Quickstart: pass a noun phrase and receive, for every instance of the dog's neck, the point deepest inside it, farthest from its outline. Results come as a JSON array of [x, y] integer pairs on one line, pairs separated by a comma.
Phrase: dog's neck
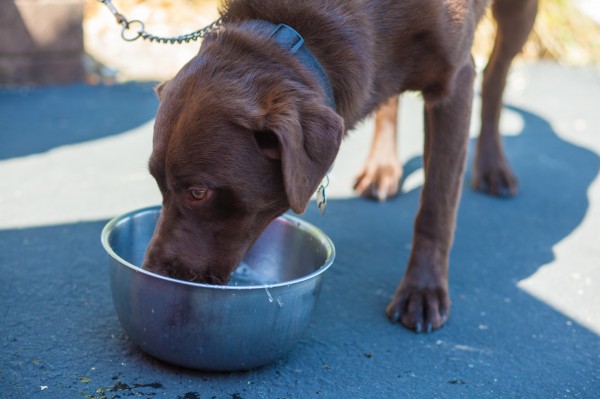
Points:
[[339, 36], [286, 37]]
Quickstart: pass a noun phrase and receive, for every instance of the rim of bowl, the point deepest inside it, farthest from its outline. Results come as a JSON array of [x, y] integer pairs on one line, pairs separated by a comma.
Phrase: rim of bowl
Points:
[[304, 225]]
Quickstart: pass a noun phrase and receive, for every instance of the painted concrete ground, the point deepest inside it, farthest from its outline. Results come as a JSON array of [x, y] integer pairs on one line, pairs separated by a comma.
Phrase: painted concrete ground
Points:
[[525, 272]]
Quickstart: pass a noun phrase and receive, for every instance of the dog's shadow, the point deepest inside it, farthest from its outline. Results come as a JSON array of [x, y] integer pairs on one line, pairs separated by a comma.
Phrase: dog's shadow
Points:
[[512, 237], [498, 243]]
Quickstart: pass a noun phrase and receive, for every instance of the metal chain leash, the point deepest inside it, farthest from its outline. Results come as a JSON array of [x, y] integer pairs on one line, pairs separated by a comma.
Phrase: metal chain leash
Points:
[[129, 32]]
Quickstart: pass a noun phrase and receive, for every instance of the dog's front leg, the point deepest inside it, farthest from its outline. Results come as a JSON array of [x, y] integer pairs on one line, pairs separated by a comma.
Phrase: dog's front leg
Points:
[[421, 302]]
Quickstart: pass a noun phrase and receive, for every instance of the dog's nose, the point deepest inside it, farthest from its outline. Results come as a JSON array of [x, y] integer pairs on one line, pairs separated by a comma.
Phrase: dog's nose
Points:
[[172, 267]]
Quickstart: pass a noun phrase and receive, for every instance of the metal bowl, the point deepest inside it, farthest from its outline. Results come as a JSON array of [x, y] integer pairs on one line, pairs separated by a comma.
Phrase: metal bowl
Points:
[[254, 320]]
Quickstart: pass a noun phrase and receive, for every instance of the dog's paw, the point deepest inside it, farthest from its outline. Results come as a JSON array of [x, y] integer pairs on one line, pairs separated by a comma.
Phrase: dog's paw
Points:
[[379, 179], [494, 176], [419, 309]]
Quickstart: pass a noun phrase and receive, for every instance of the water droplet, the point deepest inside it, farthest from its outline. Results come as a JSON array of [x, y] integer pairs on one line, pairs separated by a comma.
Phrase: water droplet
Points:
[[269, 295]]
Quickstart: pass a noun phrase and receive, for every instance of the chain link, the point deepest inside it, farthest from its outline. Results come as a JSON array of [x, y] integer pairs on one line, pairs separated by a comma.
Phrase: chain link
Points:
[[129, 32]]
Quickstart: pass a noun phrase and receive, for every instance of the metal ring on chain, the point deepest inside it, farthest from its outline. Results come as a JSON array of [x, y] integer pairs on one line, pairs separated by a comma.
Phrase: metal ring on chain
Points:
[[128, 26], [141, 32], [199, 34]]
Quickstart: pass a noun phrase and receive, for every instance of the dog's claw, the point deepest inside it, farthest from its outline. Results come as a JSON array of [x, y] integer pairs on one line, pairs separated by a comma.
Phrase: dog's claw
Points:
[[419, 309], [379, 180], [418, 328], [494, 178], [444, 317]]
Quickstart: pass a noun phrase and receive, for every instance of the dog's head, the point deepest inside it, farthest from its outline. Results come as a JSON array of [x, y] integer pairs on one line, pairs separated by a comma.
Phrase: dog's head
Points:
[[238, 140]]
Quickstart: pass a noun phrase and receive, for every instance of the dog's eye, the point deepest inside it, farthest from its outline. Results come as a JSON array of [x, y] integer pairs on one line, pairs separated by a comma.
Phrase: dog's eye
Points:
[[198, 194]]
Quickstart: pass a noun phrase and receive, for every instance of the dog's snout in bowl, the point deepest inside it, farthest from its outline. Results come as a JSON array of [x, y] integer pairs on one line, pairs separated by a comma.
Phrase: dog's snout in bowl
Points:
[[184, 250], [252, 321]]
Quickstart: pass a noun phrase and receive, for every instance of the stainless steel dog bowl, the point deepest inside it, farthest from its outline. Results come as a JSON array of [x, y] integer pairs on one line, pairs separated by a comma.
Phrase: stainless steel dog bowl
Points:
[[254, 320]]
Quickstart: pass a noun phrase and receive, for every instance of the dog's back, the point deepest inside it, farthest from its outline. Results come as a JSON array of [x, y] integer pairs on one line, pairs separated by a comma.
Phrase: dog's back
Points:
[[377, 48]]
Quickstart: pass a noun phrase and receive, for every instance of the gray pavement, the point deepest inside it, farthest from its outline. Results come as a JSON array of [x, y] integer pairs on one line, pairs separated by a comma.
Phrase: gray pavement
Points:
[[524, 272]]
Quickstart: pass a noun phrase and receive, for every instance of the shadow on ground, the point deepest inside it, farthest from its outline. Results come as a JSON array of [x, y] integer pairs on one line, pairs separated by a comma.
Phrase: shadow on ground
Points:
[[61, 338], [63, 115]]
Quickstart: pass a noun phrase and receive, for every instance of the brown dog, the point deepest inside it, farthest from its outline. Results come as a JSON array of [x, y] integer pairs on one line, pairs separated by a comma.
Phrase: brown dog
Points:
[[247, 129]]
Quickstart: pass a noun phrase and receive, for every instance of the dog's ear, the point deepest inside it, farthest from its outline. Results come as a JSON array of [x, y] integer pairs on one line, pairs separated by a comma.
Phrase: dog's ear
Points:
[[306, 141], [159, 88]]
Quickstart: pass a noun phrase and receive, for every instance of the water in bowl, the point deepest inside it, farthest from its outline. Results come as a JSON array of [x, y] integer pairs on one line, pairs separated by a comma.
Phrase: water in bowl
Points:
[[244, 275]]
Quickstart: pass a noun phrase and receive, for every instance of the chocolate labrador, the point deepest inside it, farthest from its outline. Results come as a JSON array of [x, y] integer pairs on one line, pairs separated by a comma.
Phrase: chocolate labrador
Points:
[[249, 127]]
